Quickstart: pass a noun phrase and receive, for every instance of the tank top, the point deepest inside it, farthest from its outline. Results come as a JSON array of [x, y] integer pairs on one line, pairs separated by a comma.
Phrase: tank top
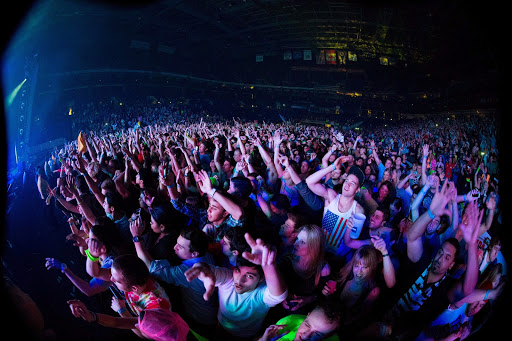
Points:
[[334, 224]]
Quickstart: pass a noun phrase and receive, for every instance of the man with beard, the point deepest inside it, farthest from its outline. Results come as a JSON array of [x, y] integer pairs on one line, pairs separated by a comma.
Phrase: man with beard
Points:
[[426, 286]]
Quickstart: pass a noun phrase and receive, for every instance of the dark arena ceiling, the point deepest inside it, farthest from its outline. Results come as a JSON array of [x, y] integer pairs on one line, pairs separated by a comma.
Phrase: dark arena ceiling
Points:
[[439, 42]]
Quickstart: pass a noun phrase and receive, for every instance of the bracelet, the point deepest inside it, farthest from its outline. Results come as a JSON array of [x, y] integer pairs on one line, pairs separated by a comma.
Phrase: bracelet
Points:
[[120, 311], [95, 316], [171, 186], [333, 167], [430, 214], [386, 255], [487, 294], [212, 192], [91, 257], [465, 197]]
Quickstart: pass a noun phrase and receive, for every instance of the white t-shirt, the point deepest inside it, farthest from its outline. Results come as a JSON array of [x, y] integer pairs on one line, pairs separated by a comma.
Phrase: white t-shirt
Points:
[[242, 314]]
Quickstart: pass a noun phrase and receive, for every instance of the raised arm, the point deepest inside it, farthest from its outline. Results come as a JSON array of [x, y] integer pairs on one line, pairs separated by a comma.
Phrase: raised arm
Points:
[[136, 229], [424, 177], [437, 208], [263, 255], [387, 266], [314, 180], [470, 227], [277, 142], [230, 206]]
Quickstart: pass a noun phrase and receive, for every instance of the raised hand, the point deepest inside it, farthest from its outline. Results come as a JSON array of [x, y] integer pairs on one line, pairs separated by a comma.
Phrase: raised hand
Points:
[[52, 263], [425, 150], [261, 254], [273, 332], [441, 198], [470, 223], [136, 227], [204, 181], [379, 244], [472, 195], [78, 241], [78, 309], [203, 272]]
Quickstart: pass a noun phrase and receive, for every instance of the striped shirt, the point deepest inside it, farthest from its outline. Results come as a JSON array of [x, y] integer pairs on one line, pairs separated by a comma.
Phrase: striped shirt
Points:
[[334, 224], [417, 294]]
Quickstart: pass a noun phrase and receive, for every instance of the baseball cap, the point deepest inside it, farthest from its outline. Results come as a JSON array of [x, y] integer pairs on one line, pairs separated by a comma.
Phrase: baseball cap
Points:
[[163, 325], [355, 170]]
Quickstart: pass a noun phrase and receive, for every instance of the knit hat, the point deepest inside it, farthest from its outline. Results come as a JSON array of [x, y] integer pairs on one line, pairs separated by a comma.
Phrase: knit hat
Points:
[[162, 325]]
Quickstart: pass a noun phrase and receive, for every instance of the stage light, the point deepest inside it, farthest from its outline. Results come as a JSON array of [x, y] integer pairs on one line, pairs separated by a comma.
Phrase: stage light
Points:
[[13, 94]]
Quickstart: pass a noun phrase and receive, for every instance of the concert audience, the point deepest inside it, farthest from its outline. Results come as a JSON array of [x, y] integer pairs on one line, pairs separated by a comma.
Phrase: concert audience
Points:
[[180, 189]]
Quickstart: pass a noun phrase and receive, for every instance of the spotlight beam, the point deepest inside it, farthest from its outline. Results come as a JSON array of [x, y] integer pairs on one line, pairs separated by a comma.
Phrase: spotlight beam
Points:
[[12, 95]]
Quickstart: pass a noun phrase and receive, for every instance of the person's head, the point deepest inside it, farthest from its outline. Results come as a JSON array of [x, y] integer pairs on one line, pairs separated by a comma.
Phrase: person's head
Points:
[[294, 166], [129, 273], [247, 276], [106, 236], [233, 242], [161, 219], [107, 185], [228, 165], [191, 243], [494, 248], [240, 186], [353, 182], [396, 206], [216, 212], [203, 147], [304, 167], [93, 168], [379, 217], [363, 265], [491, 275], [280, 204], [112, 204], [404, 225], [386, 175], [144, 178], [445, 257], [388, 164], [368, 170], [237, 155], [81, 184], [310, 242], [386, 190], [320, 323], [289, 229]]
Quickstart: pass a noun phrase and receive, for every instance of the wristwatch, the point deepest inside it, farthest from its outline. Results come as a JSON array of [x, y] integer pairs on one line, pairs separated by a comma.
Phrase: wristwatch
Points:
[[136, 239]]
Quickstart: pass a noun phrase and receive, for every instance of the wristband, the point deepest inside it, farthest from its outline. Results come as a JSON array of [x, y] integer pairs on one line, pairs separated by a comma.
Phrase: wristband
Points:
[[430, 214], [333, 167], [487, 294], [386, 255], [91, 257], [171, 186], [212, 192], [465, 197], [120, 311]]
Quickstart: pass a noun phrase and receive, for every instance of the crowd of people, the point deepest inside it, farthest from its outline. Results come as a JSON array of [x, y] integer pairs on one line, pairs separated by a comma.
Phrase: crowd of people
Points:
[[207, 228]]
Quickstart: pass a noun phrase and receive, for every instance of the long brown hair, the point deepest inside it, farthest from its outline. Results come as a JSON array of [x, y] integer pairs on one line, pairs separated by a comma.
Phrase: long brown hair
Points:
[[315, 242], [368, 255]]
